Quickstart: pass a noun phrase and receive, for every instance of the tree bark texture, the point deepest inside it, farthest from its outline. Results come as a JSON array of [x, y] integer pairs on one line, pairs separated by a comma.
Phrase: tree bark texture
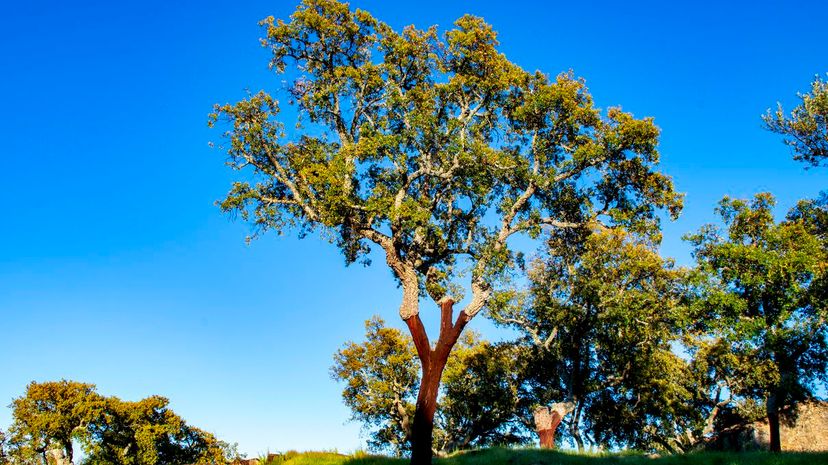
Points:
[[547, 421], [433, 361]]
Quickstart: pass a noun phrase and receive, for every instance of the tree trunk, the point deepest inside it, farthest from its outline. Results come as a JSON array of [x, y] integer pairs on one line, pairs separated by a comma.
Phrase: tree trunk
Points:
[[433, 362], [547, 421], [68, 453], [575, 428], [773, 423]]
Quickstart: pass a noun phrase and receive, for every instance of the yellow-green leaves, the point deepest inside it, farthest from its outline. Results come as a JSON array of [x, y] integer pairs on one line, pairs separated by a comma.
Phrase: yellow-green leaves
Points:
[[434, 147], [54, 414], [381, 380], [596, 325], [423, 136], [805, 130]]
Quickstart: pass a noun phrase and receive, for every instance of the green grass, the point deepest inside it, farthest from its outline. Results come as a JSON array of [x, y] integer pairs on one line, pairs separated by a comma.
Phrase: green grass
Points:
[[499, 456]]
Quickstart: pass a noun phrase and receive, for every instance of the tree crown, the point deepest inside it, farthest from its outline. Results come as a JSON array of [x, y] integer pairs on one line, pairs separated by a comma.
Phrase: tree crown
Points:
[[435, 148]]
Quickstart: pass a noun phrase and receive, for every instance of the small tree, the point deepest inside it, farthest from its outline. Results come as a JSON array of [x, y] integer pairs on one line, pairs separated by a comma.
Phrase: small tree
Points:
[[52, 414], [380, 377], [147, 432], [806, 129], [597, 322], [437, 150], [765, 301], [477, 406], [480, 404]]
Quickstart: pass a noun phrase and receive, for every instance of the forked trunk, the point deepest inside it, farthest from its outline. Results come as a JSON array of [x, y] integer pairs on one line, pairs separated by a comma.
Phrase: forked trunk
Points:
[[547, 421], [433, 362]]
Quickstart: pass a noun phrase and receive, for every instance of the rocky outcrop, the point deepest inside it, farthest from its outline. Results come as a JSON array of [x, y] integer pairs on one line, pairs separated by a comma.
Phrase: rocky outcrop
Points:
[[804, 429]]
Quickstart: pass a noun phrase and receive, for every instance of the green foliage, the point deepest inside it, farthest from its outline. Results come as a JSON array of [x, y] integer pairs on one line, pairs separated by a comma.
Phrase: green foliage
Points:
[[431, 147], [147, 432], [230, 451], [52, 414], [761, 307], [597, 323], [480, 397], [380, 378], [4, 456], [381, 382], [805, 130], [436, 149]]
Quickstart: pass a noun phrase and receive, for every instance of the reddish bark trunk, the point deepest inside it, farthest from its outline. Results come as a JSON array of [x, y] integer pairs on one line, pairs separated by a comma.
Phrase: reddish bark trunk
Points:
[[433, 362], [546, 423]]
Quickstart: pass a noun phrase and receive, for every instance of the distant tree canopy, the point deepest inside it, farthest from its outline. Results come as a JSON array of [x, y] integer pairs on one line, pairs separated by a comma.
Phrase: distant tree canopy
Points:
[[51, 415], [596, 324], [380, 375], [436, 149], [805, 130], [147, 432], [763, 310]]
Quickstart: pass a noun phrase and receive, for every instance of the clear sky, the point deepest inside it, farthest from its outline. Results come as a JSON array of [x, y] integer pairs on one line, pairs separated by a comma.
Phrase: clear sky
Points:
[[117, 269]]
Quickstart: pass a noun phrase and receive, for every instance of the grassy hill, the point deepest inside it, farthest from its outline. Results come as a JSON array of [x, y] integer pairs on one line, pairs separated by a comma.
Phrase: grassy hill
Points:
[[499, 456]]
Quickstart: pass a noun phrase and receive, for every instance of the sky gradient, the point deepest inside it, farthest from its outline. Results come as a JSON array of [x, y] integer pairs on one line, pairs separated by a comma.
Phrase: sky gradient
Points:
[[117, 269]]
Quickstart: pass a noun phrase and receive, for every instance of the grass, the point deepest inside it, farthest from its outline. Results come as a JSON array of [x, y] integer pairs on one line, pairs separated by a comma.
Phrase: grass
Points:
[[502, 456]]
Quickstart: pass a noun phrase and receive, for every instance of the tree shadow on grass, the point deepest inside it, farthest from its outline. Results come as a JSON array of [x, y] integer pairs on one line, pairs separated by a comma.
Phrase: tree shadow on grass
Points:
[[505, 456]]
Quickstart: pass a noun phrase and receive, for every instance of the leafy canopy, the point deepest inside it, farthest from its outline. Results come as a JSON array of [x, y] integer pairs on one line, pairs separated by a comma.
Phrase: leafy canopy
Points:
[[147, 432], [805, 130], [51, 415], [764, 308], [596, 324], [434, 147]]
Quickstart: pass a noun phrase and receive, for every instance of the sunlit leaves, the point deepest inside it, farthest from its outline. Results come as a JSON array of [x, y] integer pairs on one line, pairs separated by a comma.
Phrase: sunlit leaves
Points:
[[111, 431], [433, 145], [381, 381], [596, 324], [762, 307], [805, 130]]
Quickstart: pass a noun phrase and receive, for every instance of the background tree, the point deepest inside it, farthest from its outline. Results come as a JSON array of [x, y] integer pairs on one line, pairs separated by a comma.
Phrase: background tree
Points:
[[437, 150], [4, 455], [805, 130], [53, 414], [479, 406], [476, 408], [147, 432], [765, 300], [380, 377], [231, 451], [719, 379], [597, 322]]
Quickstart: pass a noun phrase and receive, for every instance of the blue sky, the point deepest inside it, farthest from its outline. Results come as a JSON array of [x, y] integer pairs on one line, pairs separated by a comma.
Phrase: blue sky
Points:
[[117, 269]]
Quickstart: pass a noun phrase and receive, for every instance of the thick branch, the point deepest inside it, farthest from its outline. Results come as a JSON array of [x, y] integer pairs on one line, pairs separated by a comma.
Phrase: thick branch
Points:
[[418, 333]]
